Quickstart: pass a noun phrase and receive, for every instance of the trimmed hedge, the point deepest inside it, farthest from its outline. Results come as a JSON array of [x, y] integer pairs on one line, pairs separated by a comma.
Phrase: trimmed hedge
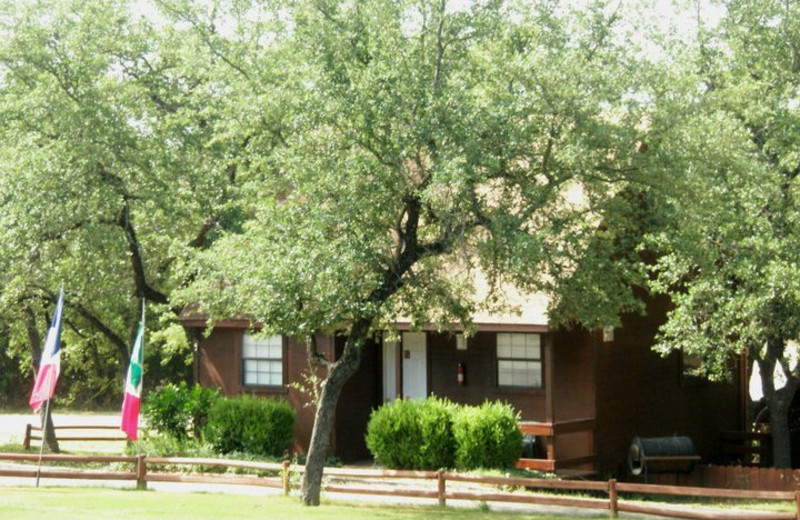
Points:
[[412, 434], [435, 433], [251, 425], [487, 436]]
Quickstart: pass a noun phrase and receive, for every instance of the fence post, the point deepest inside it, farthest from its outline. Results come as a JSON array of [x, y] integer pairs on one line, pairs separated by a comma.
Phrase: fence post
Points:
[[442, 489], [286, 484], [141, 472], [797, 501], [612, 498], [26, 442]]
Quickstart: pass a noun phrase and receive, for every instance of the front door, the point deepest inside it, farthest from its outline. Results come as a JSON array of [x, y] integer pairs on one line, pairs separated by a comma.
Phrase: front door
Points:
[[390, 370], [415, 365]]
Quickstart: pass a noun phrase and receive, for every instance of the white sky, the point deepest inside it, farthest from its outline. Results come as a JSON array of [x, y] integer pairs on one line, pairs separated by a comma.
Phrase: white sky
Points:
[[662, 13]]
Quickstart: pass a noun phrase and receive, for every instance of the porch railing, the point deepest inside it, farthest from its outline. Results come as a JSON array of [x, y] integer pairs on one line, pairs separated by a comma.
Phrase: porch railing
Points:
[[549, 431]]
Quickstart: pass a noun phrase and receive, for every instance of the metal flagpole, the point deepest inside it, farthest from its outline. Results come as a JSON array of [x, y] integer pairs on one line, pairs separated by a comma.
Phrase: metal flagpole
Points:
[[138, 432], [46, 406], [44, 435]]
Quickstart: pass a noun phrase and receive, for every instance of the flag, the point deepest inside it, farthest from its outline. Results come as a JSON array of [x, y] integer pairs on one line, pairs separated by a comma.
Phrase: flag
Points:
[[133, 386], [50, 363]]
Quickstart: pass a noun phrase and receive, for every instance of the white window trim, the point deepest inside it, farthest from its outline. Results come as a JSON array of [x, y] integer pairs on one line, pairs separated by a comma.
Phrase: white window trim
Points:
[[264, 343], [516, 359]]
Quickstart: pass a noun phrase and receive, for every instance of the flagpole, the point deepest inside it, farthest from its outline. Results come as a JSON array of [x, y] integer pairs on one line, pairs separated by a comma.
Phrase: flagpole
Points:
[[138, 429], [44, 435], [49, 382]]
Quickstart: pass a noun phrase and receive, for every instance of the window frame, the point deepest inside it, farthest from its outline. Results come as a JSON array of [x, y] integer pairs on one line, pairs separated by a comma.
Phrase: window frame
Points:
[[244, 360], [536, 360]]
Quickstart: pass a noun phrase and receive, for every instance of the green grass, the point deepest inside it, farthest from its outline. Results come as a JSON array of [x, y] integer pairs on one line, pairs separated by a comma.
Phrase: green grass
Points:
[[90, 504]]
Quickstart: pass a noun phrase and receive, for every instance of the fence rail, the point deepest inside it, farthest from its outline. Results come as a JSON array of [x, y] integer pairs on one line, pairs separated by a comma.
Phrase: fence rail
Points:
[[362, 481], [34, 433]]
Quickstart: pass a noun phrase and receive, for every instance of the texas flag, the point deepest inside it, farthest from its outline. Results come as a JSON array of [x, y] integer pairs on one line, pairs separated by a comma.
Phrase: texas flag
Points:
[[133, 387], [50, 363]]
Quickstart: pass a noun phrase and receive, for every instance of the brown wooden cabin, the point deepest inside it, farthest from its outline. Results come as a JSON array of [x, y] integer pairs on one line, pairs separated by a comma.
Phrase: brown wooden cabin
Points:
[[584, 394]]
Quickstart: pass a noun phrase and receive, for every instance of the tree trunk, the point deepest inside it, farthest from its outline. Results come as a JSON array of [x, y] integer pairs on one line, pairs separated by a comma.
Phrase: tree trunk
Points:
[[48, 432], [781, 438], [779, 401], [340, 372]]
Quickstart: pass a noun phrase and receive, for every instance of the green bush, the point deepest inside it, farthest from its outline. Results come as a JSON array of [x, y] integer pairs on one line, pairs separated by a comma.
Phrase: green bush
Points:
[[412, 434], [201, 399], [487, 436], [251, 425], [435, 433], [176, 410]]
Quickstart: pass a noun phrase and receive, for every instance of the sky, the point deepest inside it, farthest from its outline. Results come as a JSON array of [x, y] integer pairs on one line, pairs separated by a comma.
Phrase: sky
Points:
[[665, 15]]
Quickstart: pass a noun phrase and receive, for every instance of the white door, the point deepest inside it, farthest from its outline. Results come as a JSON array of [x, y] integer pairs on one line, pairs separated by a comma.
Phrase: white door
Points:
[[415, 365], [390, 370]]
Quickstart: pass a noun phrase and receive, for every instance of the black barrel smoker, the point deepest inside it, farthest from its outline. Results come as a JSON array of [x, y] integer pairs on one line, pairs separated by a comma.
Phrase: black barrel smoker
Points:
[[650, 455]]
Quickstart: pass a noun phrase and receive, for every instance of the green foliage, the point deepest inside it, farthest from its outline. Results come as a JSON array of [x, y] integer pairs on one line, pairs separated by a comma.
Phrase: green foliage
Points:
[[251, 425], [176, 411], [435, 433], [413, 434], [487, 436], [114, 181], [169, 446]]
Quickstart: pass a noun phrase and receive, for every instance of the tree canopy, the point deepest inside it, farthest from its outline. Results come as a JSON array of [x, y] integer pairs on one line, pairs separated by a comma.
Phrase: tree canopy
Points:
[[418, 143], [729, 255], [111, 170]]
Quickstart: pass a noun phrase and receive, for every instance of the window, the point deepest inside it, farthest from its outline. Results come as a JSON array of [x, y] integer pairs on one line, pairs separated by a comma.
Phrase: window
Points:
[[519, 360], [262, 361]]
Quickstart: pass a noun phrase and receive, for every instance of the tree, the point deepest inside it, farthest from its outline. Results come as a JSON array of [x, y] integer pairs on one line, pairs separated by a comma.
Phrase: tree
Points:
[[729, 255], [416, 143], [112, 169]]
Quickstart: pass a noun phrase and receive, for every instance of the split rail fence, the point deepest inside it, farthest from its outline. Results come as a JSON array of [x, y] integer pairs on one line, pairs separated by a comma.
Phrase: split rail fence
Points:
[[400, 483], [110, 433]]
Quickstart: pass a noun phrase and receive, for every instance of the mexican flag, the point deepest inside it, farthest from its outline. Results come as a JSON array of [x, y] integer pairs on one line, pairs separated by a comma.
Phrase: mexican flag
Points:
[[133, 386]]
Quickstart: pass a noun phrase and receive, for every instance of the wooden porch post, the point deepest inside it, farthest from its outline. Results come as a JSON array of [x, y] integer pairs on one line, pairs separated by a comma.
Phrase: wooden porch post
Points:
[[398, 368], [549, 387]]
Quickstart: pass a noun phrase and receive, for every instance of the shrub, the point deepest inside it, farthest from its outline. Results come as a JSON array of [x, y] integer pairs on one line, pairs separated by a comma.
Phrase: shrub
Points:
[[487, 436], [435, 434], [176, 410], [412, 434], [201, 399], [251, 425]]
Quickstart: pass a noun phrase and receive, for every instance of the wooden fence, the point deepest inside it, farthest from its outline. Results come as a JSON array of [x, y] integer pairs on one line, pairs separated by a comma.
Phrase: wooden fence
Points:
[[401, 483], [751, 478], [34, 433]]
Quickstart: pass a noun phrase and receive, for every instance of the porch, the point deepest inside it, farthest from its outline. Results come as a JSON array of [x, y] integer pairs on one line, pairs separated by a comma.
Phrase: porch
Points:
[[575, 442]]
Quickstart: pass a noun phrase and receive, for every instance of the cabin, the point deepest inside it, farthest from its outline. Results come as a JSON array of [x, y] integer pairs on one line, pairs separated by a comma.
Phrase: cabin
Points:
[[583, 395]]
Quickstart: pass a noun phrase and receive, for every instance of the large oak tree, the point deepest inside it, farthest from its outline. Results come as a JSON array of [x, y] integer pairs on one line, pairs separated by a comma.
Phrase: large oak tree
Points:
[[418, 142], [730, 253], [111, 168]]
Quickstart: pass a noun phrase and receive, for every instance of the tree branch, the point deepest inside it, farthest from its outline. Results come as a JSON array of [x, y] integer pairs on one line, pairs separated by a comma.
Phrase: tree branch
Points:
[[143, 289], [314, 356], [437, 77], [116, 340]]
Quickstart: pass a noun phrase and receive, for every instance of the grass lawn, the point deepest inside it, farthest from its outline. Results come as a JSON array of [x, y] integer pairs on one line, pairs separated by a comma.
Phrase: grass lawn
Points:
[[108, 504]]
